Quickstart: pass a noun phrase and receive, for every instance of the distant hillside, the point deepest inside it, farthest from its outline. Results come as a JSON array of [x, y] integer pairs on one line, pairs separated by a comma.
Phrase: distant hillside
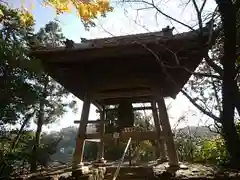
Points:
[[200, 131]]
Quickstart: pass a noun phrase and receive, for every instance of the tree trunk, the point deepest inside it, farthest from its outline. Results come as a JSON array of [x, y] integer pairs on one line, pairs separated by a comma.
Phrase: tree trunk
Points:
[[230, 135], [40, 122], [26, 120], [37, 138]]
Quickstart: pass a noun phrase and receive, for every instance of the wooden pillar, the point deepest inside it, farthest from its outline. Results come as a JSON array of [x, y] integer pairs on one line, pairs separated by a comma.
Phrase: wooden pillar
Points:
[[161, 143], [102, 131], [172, 154], [80, 140]]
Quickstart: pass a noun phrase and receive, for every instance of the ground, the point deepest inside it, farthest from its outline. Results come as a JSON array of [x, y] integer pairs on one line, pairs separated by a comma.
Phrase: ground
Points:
[[189, 172]]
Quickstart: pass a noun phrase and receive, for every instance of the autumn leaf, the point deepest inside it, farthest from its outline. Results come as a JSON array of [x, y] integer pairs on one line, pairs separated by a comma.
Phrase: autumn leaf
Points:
[[87, 10], [26, 18]]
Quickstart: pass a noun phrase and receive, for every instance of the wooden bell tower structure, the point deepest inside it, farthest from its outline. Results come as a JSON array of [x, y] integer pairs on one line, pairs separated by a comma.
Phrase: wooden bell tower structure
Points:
[[127, 69]]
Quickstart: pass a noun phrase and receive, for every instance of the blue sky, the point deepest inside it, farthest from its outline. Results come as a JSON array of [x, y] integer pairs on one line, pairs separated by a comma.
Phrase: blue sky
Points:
[[122, 21]]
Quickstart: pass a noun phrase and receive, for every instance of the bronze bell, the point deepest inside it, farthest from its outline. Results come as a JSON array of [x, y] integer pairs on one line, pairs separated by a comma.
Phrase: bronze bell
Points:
[[125, 115]]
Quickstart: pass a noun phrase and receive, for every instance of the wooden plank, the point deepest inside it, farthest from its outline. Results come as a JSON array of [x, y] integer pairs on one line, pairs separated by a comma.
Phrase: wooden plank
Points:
[[98, 136], [91, 122], [139, 136], [136, 136]]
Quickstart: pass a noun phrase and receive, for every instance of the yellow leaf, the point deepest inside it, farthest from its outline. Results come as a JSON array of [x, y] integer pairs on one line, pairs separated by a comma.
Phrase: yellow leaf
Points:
[[86, 9]]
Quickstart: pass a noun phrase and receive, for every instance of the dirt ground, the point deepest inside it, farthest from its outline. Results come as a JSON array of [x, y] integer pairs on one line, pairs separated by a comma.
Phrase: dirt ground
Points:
[[195, 171], [161, 172]]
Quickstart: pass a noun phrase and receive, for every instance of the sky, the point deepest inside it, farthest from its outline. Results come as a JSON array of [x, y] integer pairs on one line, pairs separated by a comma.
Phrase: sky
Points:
[[125, 19]]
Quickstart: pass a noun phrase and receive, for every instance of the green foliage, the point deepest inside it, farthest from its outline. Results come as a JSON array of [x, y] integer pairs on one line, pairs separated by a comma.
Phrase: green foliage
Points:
[[21, 156], [52, 101], [12, 159], [186, 146], [209, 150], [25, 89], [51, 94], [146, 151], [213, 151], [17, 96]]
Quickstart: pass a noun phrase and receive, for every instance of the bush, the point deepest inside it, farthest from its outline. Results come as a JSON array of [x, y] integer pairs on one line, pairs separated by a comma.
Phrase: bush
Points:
[[211, 150]]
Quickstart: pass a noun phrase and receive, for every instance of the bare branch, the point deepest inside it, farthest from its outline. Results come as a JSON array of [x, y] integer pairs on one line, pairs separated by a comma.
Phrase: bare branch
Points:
[[142, 26], [215, 91], [164, 14], [194, 73], [170, 78], [199, 16], [107, 31], [203, 5], [216, 68], [203, 74], [211, 26], [211, 115], [216, 130], [208, 113], [145, 8]]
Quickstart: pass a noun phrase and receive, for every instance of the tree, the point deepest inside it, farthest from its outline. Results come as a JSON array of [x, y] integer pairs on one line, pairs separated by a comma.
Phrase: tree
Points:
[[51, 103], [17, 95], [228, 17], [223, 79], [26, 91]]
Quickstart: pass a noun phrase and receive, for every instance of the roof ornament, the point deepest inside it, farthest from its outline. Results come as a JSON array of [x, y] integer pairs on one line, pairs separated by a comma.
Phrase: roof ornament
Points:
[[69, 44], [167, 31]]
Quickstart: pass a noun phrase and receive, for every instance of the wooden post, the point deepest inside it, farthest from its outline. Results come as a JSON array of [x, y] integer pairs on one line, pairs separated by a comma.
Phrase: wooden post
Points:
[[161, 143], [102, 131], [172, 154], [80, 140]]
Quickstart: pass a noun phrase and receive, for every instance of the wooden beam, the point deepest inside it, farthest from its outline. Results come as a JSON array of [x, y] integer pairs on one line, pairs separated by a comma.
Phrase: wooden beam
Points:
[[78, 154], [115, 101], [134, 108], [161, 143], [121, 94], [109, 83], [102, 131], [172, 153], [98, 106]]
